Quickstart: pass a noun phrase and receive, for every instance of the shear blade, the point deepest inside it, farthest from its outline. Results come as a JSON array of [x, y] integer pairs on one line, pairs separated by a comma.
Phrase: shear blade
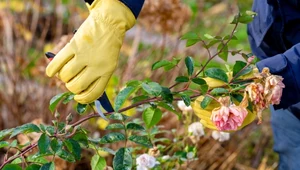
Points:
[[98, 108]]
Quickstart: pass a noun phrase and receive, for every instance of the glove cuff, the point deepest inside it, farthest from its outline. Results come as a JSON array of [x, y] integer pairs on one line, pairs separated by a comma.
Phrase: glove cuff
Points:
[[114, 12]]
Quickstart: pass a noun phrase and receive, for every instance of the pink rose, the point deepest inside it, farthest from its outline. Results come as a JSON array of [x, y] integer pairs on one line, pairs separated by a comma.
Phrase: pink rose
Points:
[[229, 118], [273, 89]]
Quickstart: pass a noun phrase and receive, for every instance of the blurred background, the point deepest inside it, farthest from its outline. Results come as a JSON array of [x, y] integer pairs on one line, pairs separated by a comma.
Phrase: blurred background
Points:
[[29, 28]]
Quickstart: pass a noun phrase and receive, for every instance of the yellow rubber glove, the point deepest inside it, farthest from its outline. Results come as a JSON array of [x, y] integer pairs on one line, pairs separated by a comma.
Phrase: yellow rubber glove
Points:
[[205, 114], [87, 62]]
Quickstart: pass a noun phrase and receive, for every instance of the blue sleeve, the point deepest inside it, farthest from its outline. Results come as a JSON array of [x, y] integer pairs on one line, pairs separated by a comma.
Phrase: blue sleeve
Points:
[[286, 65], [134, 5], [295, 3]]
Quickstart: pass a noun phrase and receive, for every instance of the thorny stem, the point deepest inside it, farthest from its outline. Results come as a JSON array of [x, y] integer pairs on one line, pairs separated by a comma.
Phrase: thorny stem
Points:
[[26, 150], [221, 50]]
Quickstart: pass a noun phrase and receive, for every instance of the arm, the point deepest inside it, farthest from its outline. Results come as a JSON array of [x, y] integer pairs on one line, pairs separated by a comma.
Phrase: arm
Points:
[[294, 3], [288, 66], [134, 5]]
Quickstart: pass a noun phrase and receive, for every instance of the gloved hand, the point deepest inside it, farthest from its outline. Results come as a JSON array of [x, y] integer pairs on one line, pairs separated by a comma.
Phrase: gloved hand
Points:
[[205, 114], [87, 62]]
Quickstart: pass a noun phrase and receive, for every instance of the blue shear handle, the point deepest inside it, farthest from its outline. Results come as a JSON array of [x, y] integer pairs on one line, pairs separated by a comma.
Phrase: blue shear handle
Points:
[[103, 99], [105, 103]]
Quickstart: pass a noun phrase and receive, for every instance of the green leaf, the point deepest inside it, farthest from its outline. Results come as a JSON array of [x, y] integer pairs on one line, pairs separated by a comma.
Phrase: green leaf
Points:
[[122, 97], [33, 167], [14, 143], [17, 161], [181, 154], [170, 66], [139, 98], [223, 51], [69, 97], [212, 43], [190, 35], [210, 37], [169, 107], [160, 64], [141, 140], [65, 155], [244, 18], [182, 79], [12, 167], [81, 138], [134, 83], [205, 102], [55, 145], [3, 144], [118, 116], [219, 91], [167, 95], [217, 73], [26, 128], [112, 137], [35, 159], [43, 143], [122, 159], [73, 147], [151, 116], [98, 163], [227, 37], [186, 99], [199, 81], [191, 42], [48, 166], [5, 133], [152, 88], [189, 62], [50, 130], [240, 69], [55, 100], [134, 126], [108, 150], [81, 108], [115, 126]]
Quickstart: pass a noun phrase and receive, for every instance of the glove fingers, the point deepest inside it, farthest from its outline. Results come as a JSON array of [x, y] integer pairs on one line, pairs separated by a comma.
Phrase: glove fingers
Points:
[[93, 92], [209, 122], [70, 70], [82, 81], [62, 57], [249, 118], [210, 126]]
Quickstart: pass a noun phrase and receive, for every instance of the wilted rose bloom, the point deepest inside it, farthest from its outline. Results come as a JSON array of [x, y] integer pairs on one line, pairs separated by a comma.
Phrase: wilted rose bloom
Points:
[[183, 107], [154, 152], [196, 129], [220, 136], [145, 161], [255, 91], [229, 118], [273, 89]]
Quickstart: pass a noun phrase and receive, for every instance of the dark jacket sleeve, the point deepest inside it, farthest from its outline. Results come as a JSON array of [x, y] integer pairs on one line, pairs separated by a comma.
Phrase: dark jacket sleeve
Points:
[[288, 66], [295, 3], [134, 5]]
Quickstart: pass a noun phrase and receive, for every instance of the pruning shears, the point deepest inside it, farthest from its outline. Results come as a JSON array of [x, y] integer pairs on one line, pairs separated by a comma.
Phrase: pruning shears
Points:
[[101, 101]]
